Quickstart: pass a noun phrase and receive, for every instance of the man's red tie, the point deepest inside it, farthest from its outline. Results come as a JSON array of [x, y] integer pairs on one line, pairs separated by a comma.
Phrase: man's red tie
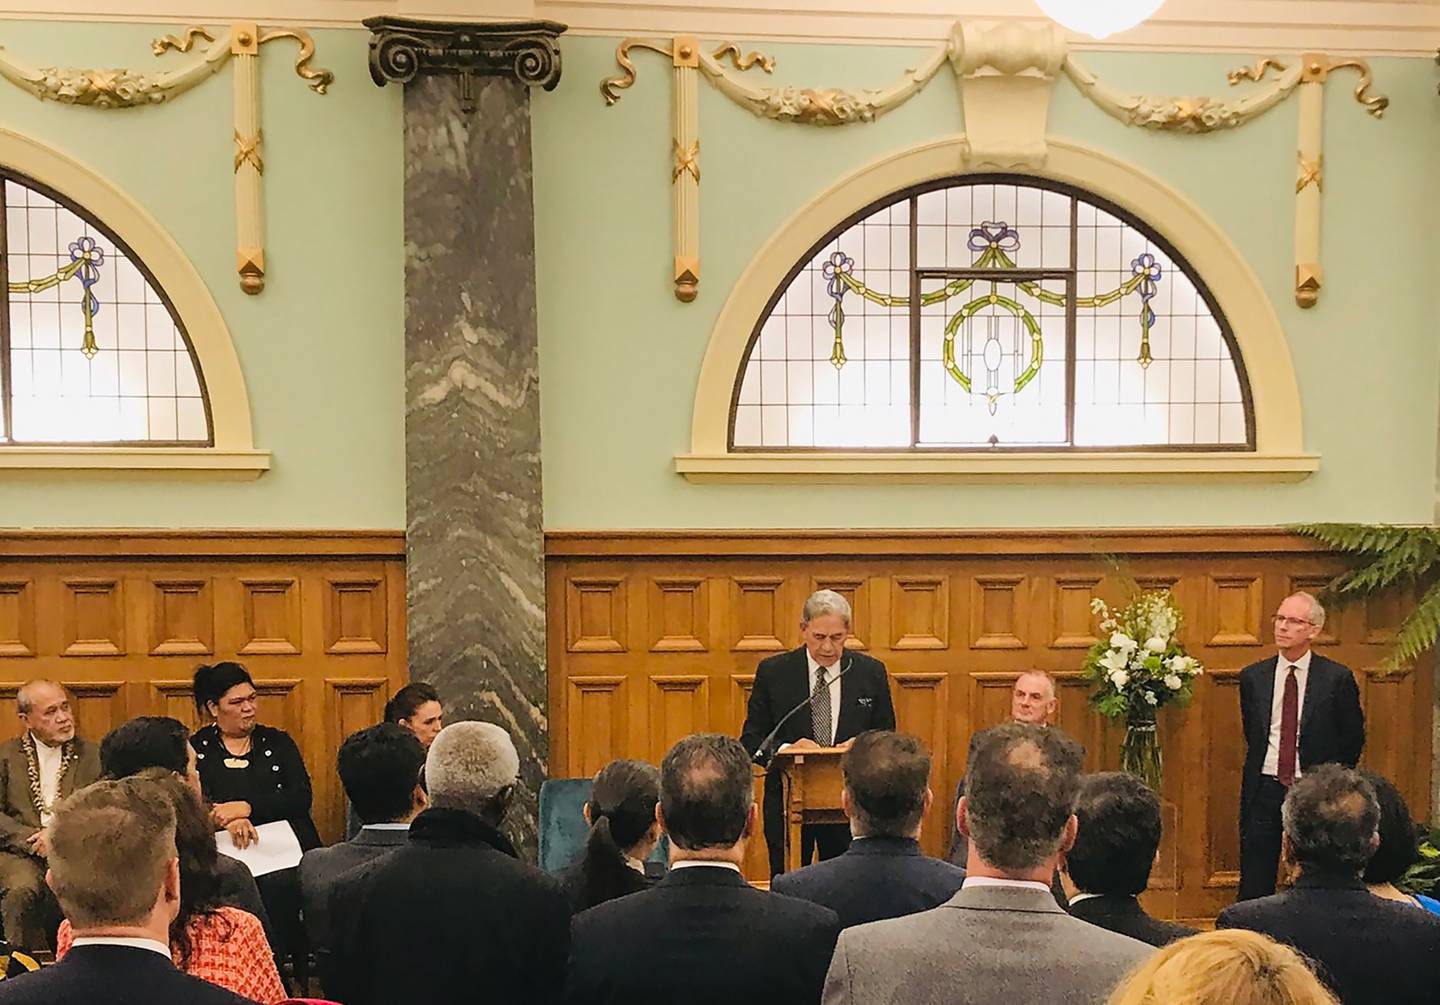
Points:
[[1289, 728]]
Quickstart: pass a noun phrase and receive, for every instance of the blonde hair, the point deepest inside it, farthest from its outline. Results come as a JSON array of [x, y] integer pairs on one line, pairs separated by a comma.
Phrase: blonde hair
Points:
[[110, 847], [1228, 967]]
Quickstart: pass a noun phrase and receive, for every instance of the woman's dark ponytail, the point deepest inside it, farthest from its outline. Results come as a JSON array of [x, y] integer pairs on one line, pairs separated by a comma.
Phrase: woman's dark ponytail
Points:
[[622, 809]]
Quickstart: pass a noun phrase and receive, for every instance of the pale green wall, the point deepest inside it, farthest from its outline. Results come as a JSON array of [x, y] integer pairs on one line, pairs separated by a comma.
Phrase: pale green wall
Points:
[[321, 348], [620, 356]]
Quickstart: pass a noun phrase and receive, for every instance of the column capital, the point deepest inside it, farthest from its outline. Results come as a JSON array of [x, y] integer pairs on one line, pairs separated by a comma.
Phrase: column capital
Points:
[[524, 51]]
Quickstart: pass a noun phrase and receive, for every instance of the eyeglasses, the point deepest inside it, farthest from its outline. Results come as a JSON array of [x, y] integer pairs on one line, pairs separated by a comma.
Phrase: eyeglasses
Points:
[[1280, 619]]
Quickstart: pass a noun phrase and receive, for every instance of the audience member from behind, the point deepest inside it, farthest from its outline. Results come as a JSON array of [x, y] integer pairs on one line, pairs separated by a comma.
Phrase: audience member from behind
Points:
[[453, 916], [417, 708], [222, 945], [1118, 837], [981, 945], [883, 874], [41, 766], [623, 833], [158, 741], [702, 934], [115, 870], [1369, 951], [1224, 968], [380, 770], [1399, 846]]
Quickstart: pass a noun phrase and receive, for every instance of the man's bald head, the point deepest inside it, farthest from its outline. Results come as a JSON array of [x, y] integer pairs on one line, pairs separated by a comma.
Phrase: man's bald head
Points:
[[1033, 698], [44, 709]]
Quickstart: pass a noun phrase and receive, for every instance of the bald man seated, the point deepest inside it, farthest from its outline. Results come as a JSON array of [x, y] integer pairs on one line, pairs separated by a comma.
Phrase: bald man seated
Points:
[[43, 765]]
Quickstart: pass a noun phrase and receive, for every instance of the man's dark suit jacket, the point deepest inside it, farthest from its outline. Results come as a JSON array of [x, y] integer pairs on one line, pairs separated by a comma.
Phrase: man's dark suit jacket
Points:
[[1369, 951], [114, 975], [703, 935], [876, 878], [1123, 914], [320, 868], [1332, 725], [452, 918], [781, 683]]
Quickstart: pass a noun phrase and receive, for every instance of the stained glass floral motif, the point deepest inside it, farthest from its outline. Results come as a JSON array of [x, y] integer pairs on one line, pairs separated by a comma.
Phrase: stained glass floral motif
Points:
[[992, 314], [90, 350]]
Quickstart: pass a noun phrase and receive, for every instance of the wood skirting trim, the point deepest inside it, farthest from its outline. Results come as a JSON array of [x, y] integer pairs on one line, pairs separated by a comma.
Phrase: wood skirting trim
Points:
[[240, 544], [923, 543]]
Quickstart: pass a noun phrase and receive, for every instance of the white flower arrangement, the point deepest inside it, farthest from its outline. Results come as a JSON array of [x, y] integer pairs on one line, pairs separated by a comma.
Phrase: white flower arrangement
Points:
[[1141, 665]]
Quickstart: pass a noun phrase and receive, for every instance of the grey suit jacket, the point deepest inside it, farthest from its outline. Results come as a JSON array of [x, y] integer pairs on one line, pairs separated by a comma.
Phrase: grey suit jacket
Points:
[[321, 867], [984, 945]]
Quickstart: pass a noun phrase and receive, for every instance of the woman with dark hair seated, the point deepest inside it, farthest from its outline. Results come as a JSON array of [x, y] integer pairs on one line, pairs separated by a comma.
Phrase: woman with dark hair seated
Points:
[[217, 943], [417, 707], [1399, 848], [623, 832], [253, 775]]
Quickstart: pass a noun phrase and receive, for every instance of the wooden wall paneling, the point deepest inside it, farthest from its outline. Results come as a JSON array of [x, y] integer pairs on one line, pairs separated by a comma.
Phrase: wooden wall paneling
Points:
[[919, 612], [270, 616], [17, 617], [856, 591], [92, 616], [351, 704], [1024, 596], [595, 614], [182, 616], [678, 611], [355, 614], [175, 698]]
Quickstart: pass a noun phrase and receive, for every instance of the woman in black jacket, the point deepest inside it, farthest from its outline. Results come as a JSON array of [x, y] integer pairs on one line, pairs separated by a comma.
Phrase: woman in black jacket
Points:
[[252, 775], [623, 833]]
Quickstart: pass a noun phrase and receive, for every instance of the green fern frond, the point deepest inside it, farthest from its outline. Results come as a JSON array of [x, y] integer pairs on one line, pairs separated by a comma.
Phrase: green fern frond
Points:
[[1417, 633], [1368, 539], [1409, 558]]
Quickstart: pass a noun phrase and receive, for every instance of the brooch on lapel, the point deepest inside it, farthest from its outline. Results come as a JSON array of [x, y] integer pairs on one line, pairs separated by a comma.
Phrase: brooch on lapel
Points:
[[866, 702]]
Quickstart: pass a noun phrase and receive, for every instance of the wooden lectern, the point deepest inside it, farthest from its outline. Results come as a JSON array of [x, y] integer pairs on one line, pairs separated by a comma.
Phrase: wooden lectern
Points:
[[812, 784]]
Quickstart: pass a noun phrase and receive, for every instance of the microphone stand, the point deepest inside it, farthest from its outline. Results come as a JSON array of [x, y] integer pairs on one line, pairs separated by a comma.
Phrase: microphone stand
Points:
[[763, 755]]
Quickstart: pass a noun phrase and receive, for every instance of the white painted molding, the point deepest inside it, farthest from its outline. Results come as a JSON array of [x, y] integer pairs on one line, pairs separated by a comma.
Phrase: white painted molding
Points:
[[1360, 27], [243, 464]]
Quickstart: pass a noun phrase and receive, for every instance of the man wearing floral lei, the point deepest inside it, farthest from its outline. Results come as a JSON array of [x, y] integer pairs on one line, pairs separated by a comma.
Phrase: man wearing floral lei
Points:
[[46, 763]]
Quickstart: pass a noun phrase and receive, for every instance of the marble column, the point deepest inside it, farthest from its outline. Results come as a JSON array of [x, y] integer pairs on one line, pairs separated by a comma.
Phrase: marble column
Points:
[[475, 548]]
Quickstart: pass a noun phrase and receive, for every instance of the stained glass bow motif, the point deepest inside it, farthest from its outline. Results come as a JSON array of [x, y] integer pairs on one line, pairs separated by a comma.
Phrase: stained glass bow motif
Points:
[[86, 258], [994, 243]]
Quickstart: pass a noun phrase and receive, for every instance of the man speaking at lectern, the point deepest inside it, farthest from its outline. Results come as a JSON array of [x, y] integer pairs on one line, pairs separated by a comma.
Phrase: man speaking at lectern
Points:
[[818, 695]]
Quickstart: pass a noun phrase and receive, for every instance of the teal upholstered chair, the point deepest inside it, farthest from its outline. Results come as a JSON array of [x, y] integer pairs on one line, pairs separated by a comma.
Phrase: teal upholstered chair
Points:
[[562, 824]]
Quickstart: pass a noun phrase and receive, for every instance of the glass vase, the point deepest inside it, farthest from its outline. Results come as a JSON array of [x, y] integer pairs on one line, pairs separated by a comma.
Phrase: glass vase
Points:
[[1140, 751]]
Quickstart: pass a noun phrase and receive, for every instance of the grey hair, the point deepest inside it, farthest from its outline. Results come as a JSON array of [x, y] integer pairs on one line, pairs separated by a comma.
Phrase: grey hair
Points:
[[1332, 818], [1317, 610], [468, 764], [823, 602], [24, 698]]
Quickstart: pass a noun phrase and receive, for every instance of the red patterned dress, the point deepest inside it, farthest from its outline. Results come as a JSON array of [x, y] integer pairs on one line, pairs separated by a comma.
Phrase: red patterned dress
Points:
[[227, 948]]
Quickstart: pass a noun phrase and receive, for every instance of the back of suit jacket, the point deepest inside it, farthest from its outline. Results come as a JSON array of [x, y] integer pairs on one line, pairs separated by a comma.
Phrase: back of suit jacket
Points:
[[703, 935], [876, 878], [1122, 914], [986, 945], [1332, 724], [1368, 950], [114, 975]]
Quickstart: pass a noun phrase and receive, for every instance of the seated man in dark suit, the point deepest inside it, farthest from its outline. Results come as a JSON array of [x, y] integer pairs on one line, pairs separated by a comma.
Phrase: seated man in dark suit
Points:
[[703, 935], [158, 741], [380, 770], [1109, 865], [115, 871], [453, 917], [1369, 951], [883, 874]]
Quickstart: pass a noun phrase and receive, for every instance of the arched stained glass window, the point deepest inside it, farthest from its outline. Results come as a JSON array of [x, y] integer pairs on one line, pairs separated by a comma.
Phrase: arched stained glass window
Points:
[[91, 350], [989, 313]]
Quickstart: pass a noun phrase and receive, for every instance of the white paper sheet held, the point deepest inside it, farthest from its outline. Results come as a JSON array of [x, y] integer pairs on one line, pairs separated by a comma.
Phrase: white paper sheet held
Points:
[[277, 849]]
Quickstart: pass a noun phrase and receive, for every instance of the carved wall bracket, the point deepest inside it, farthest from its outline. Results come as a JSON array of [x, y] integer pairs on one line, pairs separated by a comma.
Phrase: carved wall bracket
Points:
[[1006, 74], [403, 48], [124, 88]]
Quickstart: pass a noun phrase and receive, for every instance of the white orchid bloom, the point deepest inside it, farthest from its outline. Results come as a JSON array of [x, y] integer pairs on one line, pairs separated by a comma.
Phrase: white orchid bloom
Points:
[[1173, 682], [1113, 661], [1155, 644], [1123, 642], [1119, 678]]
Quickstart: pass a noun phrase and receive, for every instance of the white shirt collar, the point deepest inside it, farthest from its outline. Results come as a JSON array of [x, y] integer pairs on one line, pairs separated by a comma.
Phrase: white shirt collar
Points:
[[636, 864], [1018, 884], [1084, 896], [830, 671], [385, 827], [1301, 665], [106, 940], [696, 863]]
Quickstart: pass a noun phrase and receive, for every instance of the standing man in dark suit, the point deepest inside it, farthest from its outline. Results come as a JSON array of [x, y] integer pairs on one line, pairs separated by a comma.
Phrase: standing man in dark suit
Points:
[[883, 874], [840, 709], [703, 935], [1370, 951], [1108, 866], [113, 866], [1299, 710]]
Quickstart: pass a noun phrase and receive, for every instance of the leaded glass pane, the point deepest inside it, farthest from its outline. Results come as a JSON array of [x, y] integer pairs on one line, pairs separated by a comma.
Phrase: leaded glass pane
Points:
[[1044, 321], [94, 354]]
